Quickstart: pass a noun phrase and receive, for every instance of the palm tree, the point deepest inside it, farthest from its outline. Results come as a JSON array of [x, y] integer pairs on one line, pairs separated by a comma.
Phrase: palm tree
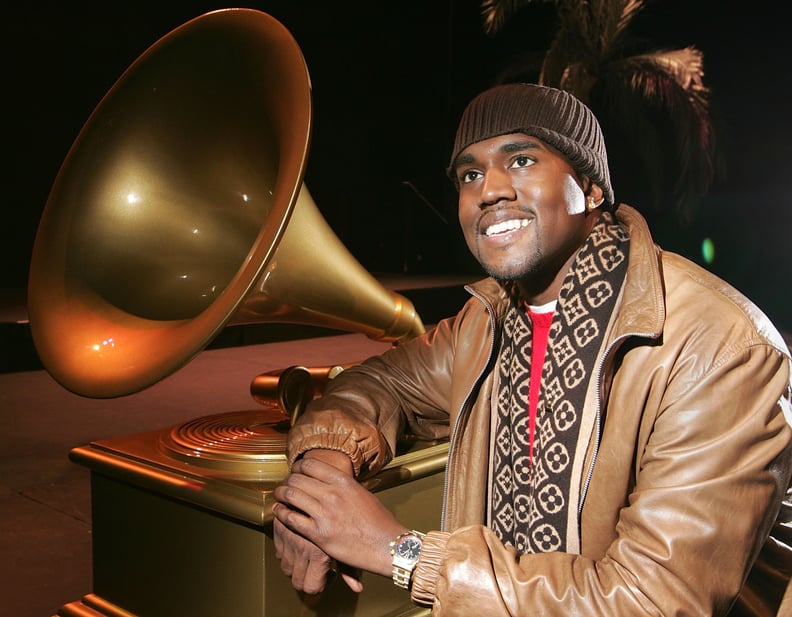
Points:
[[652, 104]]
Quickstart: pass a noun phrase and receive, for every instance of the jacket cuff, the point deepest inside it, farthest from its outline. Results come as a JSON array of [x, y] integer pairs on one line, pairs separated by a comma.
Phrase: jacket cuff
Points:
[[424, 579], [327, 442], [366, 457]]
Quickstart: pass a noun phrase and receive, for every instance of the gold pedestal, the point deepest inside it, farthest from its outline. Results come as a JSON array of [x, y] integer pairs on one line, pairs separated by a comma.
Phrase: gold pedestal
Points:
[[188, 532]]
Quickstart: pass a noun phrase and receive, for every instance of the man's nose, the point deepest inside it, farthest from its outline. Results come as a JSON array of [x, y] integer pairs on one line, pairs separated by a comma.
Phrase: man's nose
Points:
[[497, 186]]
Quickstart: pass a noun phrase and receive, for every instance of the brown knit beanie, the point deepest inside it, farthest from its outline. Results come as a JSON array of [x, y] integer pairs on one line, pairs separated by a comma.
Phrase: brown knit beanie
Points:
[[554, 116]]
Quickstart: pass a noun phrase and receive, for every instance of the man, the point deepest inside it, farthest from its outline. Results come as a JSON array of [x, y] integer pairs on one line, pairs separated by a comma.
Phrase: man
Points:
[[618, 441]]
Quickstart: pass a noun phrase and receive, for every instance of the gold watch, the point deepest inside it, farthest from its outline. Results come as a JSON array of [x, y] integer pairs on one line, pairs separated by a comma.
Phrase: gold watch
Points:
[[406, 549]]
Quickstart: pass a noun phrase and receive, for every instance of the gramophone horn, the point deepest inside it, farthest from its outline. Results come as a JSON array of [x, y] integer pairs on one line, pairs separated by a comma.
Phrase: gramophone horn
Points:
[[180, 208]]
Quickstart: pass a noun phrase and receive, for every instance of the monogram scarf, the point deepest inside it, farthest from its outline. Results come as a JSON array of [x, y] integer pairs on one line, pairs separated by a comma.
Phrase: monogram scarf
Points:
[[533, 504]]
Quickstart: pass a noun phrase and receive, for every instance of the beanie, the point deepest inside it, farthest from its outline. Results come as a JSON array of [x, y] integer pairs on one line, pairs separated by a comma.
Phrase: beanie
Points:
[[554, 116]]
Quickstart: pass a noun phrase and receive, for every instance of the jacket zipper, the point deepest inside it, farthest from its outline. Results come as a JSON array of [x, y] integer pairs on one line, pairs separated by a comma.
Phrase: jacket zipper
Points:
[[465, 407], [598, 413]]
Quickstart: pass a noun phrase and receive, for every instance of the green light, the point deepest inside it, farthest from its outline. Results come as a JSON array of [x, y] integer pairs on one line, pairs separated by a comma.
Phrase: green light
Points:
[[708, 250]]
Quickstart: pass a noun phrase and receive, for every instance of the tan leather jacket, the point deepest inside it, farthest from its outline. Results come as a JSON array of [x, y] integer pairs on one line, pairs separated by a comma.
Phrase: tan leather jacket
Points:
[[684, 472]]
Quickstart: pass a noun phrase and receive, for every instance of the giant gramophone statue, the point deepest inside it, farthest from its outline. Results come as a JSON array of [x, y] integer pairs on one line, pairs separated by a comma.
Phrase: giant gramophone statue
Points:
[[179, 210]]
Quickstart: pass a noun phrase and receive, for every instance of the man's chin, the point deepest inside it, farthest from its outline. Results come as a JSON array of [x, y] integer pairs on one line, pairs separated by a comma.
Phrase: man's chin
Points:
[[504, 274]]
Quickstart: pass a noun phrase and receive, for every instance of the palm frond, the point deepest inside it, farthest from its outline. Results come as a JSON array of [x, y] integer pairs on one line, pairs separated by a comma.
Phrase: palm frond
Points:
[[496, 13], [590, 33], [600, 24], [685, 66], [629, 11], [646, 109]]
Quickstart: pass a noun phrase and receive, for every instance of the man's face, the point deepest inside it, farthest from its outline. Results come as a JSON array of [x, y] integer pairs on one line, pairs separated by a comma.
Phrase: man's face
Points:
[[522, 209]]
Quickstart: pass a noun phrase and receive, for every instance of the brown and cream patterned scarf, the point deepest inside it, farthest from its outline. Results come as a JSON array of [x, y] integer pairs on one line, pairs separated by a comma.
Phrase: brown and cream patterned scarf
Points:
[[530, 500]]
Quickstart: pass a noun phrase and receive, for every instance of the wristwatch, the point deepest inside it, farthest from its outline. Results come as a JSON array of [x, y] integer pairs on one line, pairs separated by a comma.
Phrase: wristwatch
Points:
[[406, 549]]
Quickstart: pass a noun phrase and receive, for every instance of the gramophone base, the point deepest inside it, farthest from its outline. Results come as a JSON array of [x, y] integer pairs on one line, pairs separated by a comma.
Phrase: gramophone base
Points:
[[171, 539], [91, 605]]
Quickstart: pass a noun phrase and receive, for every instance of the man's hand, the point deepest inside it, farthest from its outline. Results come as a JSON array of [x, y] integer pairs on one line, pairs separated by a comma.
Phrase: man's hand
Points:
[[308, 566], [330, 510]]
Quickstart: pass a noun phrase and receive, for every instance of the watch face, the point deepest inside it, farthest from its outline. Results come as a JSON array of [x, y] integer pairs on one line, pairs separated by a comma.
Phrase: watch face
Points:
[[409, 548]]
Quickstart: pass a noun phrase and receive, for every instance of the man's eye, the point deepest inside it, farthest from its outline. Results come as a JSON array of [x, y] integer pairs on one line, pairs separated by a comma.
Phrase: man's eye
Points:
[[522, 161], [469, 176]]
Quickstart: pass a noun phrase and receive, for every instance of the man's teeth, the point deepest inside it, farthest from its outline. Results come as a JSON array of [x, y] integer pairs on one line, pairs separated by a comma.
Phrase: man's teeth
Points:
[[510, 225]]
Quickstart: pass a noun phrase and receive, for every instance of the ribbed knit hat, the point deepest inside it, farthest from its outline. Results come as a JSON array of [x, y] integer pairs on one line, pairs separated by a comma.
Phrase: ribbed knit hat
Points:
[[554, 116]]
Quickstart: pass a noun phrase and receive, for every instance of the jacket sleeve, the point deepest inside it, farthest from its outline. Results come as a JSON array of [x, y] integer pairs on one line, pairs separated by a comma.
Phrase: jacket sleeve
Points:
[[708, 484], [365, 410]]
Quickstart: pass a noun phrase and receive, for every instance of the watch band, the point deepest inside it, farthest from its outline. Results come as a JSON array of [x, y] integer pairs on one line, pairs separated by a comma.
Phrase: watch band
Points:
[[401, 577], [406, 550]]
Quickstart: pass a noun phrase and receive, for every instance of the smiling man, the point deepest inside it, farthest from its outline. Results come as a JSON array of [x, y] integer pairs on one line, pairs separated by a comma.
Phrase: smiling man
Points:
[[522, 208], [616, 414]]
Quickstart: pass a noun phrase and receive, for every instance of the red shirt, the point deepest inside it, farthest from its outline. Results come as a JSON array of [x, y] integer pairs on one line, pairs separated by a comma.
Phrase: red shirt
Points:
[[540, 334]]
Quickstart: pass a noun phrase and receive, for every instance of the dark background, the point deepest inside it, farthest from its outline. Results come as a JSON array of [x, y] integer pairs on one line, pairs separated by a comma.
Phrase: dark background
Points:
[[389, 82]]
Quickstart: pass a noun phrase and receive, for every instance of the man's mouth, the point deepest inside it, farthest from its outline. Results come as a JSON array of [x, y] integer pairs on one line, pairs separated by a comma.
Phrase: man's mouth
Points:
[[504, 227]]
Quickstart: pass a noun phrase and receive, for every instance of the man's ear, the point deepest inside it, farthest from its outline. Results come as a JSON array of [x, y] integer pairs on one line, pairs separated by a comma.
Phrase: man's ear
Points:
[[595, 192]]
